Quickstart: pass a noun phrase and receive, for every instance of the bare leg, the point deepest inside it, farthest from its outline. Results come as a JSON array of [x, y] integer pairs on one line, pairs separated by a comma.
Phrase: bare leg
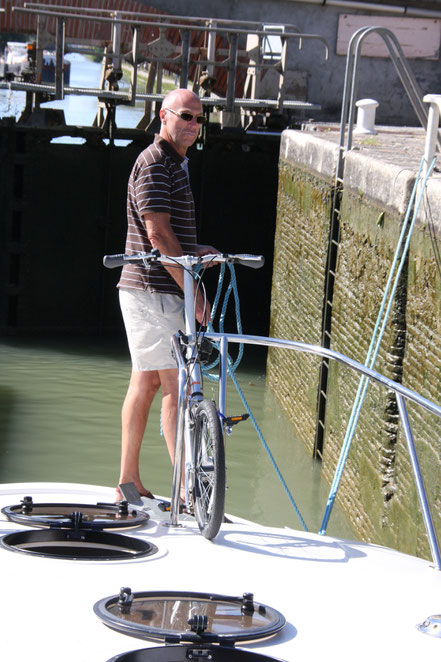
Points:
[[142, 389], [169, 384]]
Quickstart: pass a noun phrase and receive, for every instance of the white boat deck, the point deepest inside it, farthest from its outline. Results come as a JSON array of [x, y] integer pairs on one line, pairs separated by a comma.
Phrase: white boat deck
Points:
[[342, 600]]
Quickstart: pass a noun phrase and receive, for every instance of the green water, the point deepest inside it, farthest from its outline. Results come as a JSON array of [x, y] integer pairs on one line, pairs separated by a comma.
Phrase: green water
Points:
[[60, 404]]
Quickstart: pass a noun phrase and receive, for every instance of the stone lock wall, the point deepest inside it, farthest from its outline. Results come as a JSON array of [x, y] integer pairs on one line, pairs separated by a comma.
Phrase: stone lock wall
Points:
[[377, 490], [304, 207]]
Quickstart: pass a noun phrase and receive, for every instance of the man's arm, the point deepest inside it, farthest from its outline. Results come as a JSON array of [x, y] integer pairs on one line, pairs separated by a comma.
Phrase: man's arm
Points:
[[163, 238]]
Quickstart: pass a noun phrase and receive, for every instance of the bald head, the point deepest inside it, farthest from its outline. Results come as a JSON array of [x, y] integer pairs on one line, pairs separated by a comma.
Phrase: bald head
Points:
[[179, 98], [179, 132]]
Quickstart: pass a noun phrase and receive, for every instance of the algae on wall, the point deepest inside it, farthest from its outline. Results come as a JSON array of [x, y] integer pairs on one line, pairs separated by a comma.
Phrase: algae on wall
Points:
[[365, 255], [377, 490], [304, 204]]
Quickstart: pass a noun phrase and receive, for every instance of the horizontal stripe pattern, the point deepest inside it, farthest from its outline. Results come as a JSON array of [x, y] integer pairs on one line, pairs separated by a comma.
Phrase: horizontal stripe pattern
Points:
[[157, 183]]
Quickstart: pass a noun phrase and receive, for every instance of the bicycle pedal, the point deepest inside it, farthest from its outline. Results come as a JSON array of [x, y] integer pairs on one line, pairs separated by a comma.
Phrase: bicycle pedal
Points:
[[166, 507], [229, 421]]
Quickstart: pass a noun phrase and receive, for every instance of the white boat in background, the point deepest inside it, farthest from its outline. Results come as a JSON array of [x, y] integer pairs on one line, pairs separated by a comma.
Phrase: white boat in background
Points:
[[79, 586], [18, 63]]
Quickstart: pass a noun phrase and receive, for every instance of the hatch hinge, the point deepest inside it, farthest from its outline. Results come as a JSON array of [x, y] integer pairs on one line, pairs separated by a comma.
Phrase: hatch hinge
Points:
[[199, 654]]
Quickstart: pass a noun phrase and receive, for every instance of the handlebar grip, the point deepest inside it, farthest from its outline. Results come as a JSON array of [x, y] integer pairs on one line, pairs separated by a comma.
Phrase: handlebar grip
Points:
[[112, 261], [253, 261]]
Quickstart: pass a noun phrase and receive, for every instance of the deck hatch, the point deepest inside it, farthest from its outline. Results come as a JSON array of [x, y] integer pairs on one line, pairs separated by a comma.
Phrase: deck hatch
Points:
[[93, 516], [79, 544], [176, 617], [194, 653]]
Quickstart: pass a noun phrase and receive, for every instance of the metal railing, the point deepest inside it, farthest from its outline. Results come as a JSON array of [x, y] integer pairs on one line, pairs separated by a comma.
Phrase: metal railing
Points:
[[158, 53], [401, 393]]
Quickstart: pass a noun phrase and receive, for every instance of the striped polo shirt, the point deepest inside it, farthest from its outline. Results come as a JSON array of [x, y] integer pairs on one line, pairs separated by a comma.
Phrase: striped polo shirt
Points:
[[158, 183]]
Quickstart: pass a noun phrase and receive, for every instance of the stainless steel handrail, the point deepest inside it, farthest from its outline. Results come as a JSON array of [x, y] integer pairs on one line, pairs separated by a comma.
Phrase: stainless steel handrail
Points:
[[401, 393], [336, 356]]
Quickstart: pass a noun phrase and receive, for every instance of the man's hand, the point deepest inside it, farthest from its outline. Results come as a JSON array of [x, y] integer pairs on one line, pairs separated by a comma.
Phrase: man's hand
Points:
[[201, 250]]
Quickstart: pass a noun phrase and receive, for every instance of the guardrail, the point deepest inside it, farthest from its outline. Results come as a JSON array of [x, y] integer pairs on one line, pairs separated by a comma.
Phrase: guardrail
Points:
[[401, 393]]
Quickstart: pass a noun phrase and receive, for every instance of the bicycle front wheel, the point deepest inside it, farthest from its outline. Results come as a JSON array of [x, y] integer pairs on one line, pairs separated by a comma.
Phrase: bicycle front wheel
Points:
[[209, 467]]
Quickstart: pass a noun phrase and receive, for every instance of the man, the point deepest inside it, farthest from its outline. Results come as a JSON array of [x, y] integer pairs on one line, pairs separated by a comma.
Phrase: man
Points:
[[160, 212]]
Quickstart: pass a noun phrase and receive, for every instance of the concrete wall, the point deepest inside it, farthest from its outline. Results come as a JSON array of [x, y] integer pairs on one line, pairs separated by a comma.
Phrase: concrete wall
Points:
[[378, 78], [377, 490]]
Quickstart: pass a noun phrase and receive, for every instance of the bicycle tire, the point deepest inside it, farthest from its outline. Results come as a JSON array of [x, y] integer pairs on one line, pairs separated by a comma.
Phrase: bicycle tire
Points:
[[209, 469]]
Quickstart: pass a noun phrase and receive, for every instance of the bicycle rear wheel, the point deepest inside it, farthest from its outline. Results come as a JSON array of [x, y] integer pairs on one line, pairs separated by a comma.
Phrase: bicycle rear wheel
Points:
[[209, 468]]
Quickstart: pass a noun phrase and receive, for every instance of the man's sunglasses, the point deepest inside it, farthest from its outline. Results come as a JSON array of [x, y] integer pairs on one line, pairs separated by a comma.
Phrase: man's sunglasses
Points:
[[187, 117]]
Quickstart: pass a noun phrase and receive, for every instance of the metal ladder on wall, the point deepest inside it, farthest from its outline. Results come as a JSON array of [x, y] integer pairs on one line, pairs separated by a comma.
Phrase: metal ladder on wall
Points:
[[429, 120], [404, 72]]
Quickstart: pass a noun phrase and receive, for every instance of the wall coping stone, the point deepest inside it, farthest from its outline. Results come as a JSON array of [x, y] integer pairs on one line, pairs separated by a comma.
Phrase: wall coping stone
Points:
[[382, 167], [384, 183], [316, 155]]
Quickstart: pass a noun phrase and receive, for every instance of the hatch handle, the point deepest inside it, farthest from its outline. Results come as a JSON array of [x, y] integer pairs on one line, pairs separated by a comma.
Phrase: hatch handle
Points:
[[76, 522], [26, 505], [247, 603], [125, 600], [198, 623]]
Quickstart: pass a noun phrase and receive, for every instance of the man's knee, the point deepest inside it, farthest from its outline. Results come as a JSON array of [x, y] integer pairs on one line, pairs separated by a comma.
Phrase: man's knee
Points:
[[169, 384], [145, 383]]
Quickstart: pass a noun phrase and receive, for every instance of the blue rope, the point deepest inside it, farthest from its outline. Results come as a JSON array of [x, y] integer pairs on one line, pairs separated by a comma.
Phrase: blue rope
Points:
[[375, 343], [232, 287], [231, 369], [270, 455]]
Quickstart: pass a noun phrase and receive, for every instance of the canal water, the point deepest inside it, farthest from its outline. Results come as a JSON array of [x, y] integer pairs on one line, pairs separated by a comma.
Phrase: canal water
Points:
[[60, 403]]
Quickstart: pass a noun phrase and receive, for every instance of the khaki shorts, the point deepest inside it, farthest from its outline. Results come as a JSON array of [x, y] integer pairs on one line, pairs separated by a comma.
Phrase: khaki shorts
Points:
[[151, 319]]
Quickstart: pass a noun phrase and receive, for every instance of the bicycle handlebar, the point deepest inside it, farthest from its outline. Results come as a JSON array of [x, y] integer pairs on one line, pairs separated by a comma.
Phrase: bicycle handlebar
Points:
[[113, 261]]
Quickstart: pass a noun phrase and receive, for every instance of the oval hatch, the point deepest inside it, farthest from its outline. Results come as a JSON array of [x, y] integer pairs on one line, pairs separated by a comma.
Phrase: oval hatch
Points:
[[77, 544], [93, 516], [176, 617]]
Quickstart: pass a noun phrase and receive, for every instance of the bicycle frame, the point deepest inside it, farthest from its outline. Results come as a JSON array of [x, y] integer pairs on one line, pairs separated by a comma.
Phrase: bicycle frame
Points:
[[194, 412], [189, 391]]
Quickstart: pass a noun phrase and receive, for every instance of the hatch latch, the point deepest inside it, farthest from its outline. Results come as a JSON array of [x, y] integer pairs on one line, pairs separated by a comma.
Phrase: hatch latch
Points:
[[247, 603], [198, 623], [27, 505], [125, 600]]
